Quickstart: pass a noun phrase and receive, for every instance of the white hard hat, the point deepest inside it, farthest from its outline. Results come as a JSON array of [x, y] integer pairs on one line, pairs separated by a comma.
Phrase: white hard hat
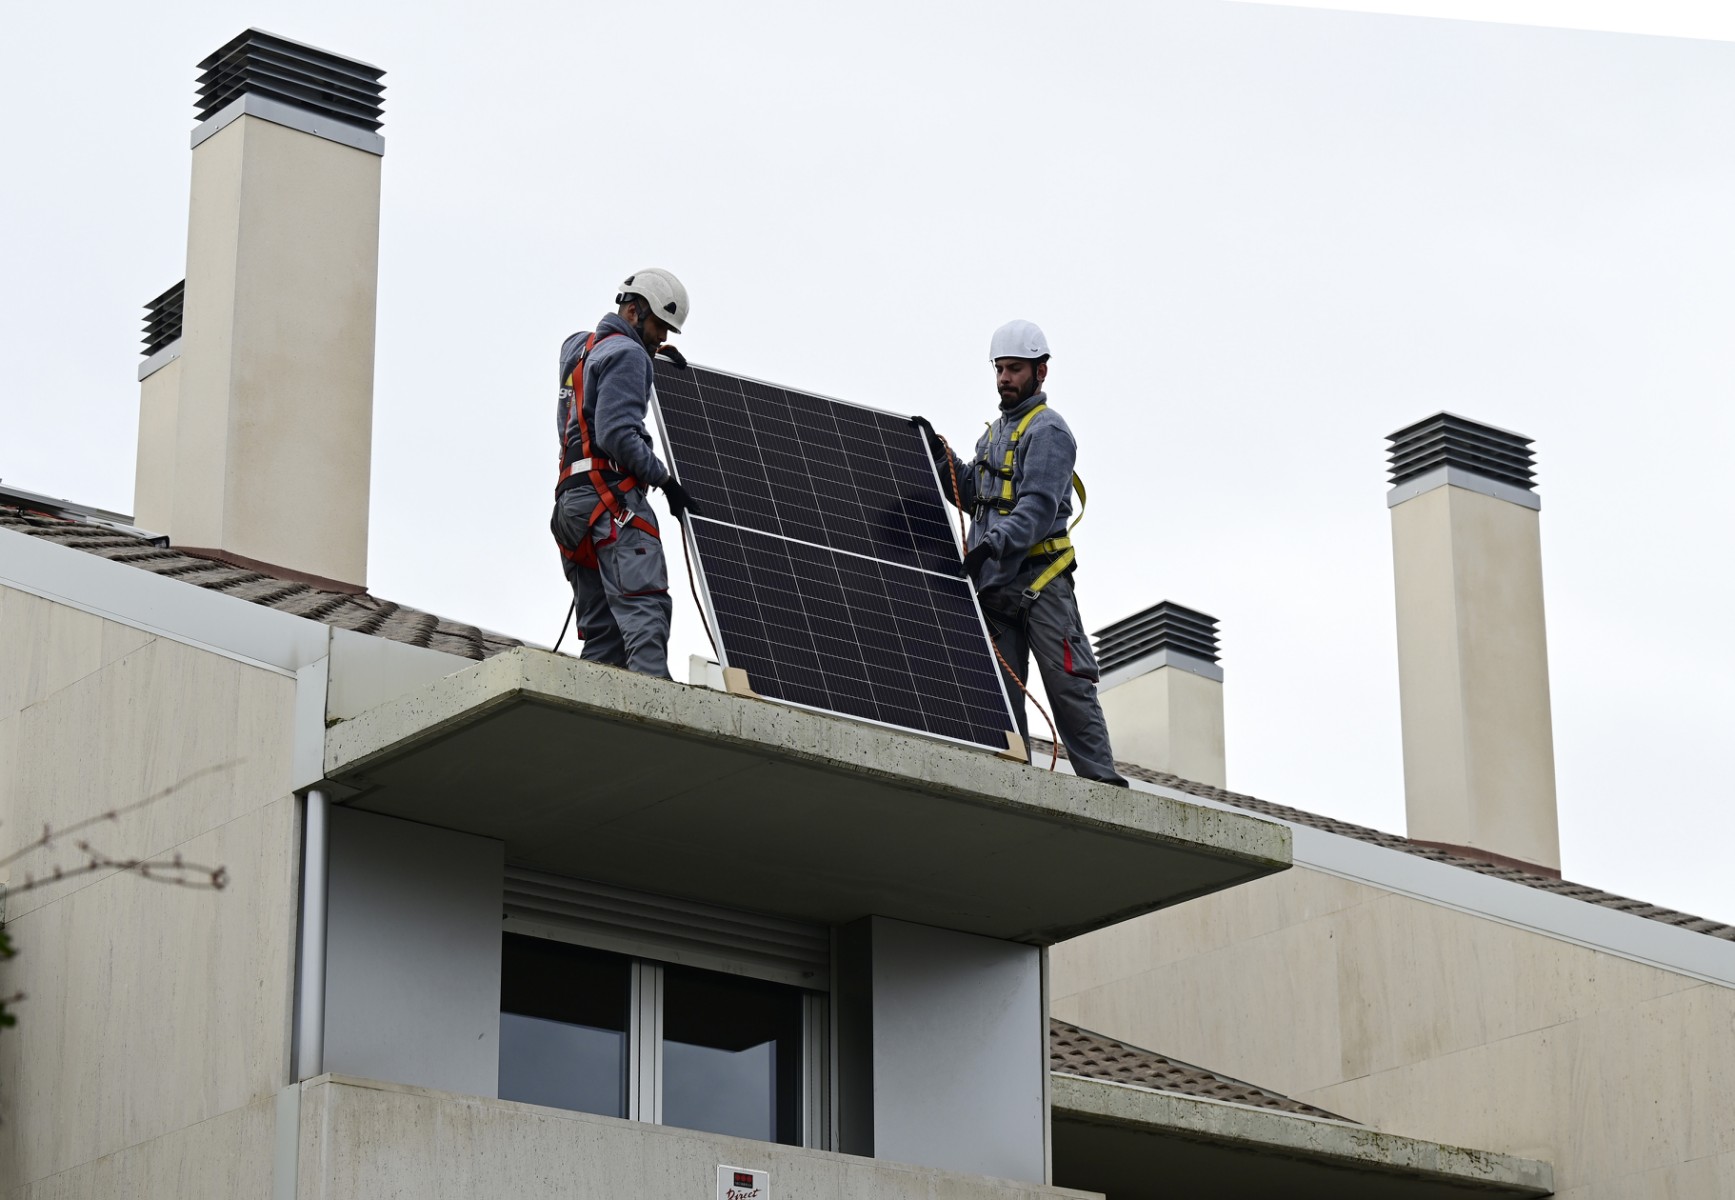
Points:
[[1018, 339], [662, 291]]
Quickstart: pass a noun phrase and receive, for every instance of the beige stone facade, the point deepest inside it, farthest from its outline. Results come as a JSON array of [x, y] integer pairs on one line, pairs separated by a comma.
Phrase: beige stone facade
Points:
[[1427, 1021], [153, 1012]]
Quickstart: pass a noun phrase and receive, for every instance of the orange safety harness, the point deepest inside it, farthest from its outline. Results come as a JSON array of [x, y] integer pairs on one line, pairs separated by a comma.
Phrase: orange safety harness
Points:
[[592, 465]]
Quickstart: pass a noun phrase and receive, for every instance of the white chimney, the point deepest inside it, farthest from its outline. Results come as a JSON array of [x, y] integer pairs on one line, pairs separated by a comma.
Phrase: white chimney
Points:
[[159, 411], [1472, 642], [270, 391], [1162, 692]]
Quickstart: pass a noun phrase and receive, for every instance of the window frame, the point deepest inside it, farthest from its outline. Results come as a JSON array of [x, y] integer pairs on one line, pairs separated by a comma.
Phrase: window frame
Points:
[[644, 1037]]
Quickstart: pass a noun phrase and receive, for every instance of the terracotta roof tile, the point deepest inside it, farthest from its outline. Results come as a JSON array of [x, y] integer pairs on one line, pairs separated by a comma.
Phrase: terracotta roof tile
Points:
[[362, 613], [1392, 841], [1075, 1051]]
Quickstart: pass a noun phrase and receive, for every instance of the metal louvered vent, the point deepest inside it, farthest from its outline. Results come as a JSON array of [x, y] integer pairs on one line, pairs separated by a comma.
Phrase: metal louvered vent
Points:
[[263, 64], [1165, 626], [661, 927], [1444, 440], [163, 318]]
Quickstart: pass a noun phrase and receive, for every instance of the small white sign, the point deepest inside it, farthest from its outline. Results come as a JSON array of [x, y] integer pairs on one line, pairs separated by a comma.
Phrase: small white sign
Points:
[[738, 1183]]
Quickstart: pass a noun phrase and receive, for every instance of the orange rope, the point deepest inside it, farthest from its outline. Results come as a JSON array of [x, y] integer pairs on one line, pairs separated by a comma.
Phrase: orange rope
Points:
[[958, 503]]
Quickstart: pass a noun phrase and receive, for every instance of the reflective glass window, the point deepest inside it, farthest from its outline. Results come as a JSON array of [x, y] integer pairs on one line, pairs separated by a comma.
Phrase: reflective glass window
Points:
[[563, 1025], [732, 1051]]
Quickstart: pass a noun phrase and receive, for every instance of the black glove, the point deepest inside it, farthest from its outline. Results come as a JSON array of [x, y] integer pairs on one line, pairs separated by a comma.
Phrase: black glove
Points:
[[936, 448], [974, 560], [674, 356], [680, 504]]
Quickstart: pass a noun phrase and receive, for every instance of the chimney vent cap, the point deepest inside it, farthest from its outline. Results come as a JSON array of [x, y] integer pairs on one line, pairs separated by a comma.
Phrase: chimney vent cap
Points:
[[257, 63], [1163, 626], [1448, 440], [163, 318]]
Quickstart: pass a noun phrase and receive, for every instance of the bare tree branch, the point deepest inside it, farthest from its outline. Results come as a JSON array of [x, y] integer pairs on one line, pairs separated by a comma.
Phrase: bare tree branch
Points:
[[49, 834], [172, 869]]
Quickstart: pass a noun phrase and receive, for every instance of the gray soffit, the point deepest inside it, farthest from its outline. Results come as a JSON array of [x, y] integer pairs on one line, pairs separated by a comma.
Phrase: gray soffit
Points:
[[1136, 1143], [1165, 626], [1448, 440], [257, 63], [163, 319], [736, 801]]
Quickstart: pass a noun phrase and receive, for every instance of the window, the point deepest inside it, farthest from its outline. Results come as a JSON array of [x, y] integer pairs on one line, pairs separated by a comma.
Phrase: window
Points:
[[731, 1055], [607, 1033], [563, 1025]]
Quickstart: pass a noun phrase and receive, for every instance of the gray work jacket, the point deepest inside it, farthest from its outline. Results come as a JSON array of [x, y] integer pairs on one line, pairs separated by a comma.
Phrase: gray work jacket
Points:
[[1042, 465], [618, 379]]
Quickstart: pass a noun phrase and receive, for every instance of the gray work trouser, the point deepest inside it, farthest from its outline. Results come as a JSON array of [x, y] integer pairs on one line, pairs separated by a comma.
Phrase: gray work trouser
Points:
[[1052, 627], [623, 602]]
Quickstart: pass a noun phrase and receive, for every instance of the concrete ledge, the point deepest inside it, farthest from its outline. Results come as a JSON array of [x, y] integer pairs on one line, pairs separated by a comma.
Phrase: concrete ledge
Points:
[[600, 773], [1104, 1132], [359, 1140]]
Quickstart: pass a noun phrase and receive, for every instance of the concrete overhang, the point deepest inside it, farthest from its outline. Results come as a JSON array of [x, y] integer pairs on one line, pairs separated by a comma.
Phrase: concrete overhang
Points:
[[1132, 1143], [600, 774]]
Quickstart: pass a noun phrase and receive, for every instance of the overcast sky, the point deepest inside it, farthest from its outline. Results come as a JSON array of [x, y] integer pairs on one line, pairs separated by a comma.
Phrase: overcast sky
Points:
[[1260, 238]]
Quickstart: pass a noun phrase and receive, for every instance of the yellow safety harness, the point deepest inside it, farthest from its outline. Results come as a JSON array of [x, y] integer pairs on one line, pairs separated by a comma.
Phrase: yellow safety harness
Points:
[[1060, 547]]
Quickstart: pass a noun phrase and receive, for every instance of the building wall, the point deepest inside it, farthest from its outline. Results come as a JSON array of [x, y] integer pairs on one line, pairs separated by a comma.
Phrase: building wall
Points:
[[1433, 1023], [960, 1051], [412, 965], [153, 1013], [228, 1157], [360, 1141]]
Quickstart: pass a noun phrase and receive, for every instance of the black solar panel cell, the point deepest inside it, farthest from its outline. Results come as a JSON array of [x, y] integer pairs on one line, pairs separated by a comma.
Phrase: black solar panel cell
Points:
[[805, 467], [859, 636], [829, 567]]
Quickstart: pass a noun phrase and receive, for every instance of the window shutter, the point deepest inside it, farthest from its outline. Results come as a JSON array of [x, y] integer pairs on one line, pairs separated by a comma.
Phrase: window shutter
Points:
[[666, 929]]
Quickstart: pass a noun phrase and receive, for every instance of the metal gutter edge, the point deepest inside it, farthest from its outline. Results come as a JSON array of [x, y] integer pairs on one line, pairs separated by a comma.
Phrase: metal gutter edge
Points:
[[1565, 918], [171, 608]]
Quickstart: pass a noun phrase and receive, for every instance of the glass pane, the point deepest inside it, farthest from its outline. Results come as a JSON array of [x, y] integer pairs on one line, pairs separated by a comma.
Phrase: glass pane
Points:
[[563, 1025], [731, 1055]]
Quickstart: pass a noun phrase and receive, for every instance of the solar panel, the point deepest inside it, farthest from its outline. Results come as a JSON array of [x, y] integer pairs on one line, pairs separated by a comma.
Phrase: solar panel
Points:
[[829, 570]]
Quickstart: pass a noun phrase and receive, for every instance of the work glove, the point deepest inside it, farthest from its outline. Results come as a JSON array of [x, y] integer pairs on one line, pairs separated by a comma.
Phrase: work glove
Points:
[[936, 448], [974, 561], [680, 503], [674, 356]]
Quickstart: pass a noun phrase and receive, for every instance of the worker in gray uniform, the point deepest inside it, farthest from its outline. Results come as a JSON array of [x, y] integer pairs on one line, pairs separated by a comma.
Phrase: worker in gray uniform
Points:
[[1018, 491], [603, 522]]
